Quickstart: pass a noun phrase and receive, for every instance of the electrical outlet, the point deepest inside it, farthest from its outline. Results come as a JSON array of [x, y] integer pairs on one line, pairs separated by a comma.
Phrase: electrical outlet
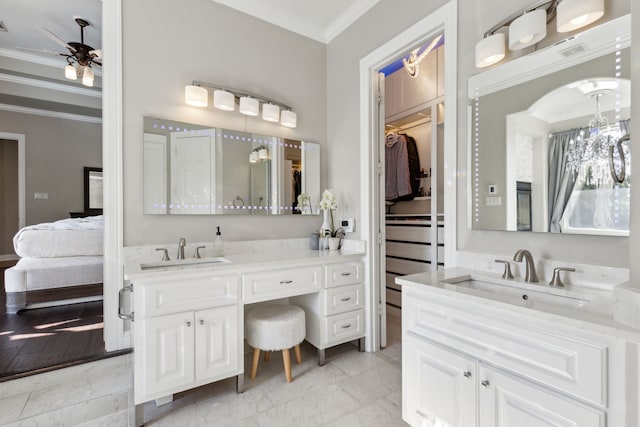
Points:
[[41, 196]]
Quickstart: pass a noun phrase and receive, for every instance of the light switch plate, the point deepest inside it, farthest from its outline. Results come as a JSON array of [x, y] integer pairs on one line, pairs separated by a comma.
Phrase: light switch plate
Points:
[[348, 225], [41, 196]]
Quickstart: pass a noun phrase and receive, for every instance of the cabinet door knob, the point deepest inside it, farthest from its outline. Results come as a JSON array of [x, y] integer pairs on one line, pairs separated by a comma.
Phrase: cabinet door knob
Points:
[[485, 383], [467, 375], [188, 324], [201, 322]]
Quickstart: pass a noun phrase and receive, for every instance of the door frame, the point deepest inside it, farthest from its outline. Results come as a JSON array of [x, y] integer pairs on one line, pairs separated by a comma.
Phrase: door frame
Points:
[[444, 20], [22, 189]]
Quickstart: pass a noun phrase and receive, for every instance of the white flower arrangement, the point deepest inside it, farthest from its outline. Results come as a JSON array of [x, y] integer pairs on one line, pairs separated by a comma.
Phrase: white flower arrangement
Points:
[[329, 201], [304, 202]]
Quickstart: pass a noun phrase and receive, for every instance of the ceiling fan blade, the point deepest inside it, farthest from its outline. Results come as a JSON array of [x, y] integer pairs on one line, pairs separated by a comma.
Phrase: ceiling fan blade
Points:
[[99, 64], [44, 51], [96, 53], [56, 38]]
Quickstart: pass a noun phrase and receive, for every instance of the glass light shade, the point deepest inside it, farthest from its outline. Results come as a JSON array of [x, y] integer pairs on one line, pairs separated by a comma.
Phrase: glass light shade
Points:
[[87, 76], [70, 72], [490, 50], [263, 154], [528, 29], [196, 96], [574, 14], [224, 100], [253, 157], [249, 106], [270, 112], [288, 118]]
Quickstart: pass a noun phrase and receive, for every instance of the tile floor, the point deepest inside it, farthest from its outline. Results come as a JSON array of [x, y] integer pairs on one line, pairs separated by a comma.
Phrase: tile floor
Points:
[[352, 389]]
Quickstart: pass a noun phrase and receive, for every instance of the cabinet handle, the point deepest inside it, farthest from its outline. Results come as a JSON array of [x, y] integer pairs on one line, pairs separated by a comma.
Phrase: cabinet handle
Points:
[[188, 324], [485, 383], [121, 314], [345, 274], [467, 375], [345, 299], [346, 326], [201, 322], [286, 282]]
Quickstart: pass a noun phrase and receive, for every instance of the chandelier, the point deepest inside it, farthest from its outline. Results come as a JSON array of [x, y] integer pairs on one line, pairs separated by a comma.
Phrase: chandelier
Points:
[[591, 155]]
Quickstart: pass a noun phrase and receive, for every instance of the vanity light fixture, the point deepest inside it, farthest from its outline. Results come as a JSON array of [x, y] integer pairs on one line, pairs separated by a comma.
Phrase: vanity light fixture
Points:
[[529, 26], [225, 98], [574, 14], [528, 29]]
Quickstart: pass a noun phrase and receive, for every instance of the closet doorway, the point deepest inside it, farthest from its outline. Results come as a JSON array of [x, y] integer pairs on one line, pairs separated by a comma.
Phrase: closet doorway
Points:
[[424, 118], [12, 191]]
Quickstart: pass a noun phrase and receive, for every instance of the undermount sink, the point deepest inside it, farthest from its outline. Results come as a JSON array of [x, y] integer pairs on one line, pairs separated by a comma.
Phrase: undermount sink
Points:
[[184, 263], [513, 293]]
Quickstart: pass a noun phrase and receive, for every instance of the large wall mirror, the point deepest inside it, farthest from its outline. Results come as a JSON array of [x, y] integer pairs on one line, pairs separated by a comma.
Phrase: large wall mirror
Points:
[[198, 170], [550, 137]]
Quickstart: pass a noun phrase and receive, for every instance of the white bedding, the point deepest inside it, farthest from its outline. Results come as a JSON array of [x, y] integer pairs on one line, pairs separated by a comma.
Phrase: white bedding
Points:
[[64, 238]]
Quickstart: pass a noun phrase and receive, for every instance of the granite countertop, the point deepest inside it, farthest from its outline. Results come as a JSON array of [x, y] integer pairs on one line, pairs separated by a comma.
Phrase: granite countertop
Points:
[[593, 309]]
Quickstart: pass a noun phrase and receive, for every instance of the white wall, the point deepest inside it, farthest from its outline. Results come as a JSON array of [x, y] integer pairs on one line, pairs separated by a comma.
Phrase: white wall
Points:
[[379, 25], [168, 44]]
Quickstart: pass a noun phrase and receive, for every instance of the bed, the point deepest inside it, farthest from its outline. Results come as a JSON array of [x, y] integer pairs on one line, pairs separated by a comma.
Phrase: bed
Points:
[[60, 263]]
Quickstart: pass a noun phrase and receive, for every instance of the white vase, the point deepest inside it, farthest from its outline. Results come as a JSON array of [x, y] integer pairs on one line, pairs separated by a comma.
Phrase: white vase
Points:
[[334, 243], [326, 223]]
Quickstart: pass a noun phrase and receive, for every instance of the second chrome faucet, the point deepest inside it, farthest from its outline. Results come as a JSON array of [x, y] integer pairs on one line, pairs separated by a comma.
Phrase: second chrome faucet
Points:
[[530, 273]]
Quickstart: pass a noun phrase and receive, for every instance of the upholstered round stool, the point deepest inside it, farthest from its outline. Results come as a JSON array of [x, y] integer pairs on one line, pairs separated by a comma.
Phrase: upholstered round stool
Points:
[[273, 328]]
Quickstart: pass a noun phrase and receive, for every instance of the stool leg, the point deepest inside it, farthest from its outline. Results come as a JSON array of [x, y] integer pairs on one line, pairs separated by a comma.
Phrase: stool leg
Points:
[[287, 364], [254, 365], [296, 349], [266, 356]]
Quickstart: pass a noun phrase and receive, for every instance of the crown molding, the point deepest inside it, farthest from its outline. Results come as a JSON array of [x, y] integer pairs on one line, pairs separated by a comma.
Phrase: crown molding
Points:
[[61, 87], [55, 114], [348, 17]]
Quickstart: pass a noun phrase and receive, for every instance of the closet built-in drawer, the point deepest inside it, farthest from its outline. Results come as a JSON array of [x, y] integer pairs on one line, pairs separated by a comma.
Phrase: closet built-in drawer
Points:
[[394, 297], [440, 234], [409, 250], [419, 234], [344, 298], [403, 266], [265, 285], [548, 356], [168, 296], [343, 274], [344, 327]]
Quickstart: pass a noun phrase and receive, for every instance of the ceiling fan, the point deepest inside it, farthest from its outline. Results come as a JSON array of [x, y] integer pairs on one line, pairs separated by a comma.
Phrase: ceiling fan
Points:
[[80, 57]]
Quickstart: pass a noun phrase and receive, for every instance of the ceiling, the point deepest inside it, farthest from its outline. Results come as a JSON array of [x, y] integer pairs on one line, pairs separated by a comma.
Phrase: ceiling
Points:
[[319, 20], [31, 74]]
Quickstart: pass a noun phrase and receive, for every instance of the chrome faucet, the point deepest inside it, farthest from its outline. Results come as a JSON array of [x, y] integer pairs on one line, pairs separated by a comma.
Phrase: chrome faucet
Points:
[[530, 275], [181, 244]]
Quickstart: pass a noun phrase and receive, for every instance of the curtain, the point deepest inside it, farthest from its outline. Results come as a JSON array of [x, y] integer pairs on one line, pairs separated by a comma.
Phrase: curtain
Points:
[[561, 180]]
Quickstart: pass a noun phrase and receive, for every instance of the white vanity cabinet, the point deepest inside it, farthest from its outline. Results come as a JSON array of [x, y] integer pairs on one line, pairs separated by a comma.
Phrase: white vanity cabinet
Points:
[[186, 333], [335, 315], [465, 364]]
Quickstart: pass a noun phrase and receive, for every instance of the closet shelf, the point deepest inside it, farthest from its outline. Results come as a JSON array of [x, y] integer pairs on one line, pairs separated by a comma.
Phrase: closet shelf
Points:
[[422, 198]]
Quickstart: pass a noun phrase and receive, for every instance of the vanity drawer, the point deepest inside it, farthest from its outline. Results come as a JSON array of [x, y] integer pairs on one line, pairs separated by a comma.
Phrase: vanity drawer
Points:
[[343, 274], [272, 284], [536, 350], [169, 296], [343, 299], [344, 327]]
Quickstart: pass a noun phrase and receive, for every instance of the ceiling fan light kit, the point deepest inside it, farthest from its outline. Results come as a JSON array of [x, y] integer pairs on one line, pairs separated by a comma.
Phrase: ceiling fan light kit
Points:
[[225, 99]]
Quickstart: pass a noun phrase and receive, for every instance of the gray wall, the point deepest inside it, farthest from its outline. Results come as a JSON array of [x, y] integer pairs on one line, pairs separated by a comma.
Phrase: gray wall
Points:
[[202, 40], [56, 152], [381, 24]]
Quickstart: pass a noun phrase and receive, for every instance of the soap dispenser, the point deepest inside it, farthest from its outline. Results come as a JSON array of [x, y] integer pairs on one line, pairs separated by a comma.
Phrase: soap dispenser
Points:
[[218, 244]]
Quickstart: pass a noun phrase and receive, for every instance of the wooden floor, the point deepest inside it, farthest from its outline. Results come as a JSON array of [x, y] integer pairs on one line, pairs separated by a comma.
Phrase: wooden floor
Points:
[[34, 341]]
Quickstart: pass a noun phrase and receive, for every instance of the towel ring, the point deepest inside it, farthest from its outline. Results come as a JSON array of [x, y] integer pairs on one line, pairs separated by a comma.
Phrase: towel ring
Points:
[[237, 201]]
